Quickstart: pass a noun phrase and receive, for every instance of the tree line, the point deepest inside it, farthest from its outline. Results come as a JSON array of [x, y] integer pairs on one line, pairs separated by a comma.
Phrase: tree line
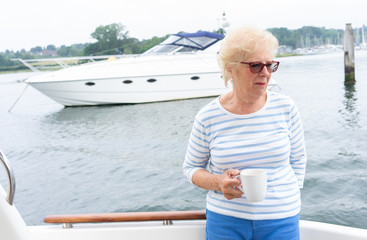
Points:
[[308, 36], [114, 39]]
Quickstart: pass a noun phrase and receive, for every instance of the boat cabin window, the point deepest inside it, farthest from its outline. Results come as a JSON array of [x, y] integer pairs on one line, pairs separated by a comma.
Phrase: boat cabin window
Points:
[[127, 81], [151, 80], [197, 42], [90, 83]]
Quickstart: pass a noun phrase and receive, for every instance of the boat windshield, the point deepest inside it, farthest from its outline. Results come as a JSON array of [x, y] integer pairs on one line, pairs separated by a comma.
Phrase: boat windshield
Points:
[[186, 42]]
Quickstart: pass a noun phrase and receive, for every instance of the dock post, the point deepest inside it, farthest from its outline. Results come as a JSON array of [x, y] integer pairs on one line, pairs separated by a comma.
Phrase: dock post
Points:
[[349, 55]]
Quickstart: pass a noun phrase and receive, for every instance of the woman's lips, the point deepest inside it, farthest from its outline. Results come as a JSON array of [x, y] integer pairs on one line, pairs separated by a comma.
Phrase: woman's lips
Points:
[[260, 84]]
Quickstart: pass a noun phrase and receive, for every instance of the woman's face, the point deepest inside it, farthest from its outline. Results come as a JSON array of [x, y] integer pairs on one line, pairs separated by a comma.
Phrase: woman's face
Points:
[[247, 82]]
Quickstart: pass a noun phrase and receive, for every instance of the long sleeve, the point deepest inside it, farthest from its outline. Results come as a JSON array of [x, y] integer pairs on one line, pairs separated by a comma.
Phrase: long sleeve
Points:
[[197, 155], [298, 156]]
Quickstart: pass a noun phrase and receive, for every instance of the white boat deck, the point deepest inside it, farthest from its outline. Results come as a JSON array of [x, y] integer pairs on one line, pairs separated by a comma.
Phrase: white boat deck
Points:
[[192, 230]]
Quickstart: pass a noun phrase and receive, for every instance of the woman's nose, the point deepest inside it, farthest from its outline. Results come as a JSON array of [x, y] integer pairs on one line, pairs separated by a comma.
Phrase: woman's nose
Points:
[[265, 71]]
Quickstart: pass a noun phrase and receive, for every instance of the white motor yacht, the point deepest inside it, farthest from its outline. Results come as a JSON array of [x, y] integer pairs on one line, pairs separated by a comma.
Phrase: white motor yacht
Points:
[[183, 66]]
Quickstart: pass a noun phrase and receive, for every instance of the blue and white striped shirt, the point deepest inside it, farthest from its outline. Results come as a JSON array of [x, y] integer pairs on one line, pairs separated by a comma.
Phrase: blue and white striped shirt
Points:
[[271, 139]]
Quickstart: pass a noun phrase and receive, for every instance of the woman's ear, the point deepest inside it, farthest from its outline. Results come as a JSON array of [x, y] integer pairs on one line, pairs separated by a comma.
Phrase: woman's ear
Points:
[[229, 70]]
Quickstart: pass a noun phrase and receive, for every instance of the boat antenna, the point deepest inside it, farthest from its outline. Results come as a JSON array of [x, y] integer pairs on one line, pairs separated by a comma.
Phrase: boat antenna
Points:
[[224, 24]]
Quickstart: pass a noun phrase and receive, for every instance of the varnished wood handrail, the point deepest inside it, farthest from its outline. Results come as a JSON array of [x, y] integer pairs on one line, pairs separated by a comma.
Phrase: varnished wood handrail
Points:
[[126, 217]]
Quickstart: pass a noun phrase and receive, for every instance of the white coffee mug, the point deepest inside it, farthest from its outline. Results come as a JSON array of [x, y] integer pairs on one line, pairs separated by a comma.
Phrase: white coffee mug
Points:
[[253, 184]]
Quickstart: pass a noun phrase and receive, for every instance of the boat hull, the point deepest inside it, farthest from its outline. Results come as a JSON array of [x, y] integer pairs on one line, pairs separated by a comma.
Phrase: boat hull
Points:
[[134, 80], [142, 89], [193, 230]]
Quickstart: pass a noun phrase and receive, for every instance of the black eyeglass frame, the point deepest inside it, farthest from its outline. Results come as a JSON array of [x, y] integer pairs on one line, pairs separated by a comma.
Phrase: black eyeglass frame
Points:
[[271, 67]]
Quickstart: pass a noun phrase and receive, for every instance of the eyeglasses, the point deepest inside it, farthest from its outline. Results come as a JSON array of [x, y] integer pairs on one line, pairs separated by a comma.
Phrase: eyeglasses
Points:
[[256, 67]]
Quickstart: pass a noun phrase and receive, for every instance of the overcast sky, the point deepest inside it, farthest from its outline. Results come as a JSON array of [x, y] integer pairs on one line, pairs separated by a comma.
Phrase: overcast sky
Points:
[[29, 23]]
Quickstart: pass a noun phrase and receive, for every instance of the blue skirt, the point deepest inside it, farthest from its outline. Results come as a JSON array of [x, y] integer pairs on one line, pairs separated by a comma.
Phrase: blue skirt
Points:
[[222, 227]]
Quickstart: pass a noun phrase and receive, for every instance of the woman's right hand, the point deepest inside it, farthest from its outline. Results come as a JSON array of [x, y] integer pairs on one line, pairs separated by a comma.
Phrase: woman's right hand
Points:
[[228, 184]]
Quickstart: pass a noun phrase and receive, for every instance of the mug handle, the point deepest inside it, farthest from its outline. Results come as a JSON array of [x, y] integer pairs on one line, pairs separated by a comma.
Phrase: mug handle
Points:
[[240, 187]]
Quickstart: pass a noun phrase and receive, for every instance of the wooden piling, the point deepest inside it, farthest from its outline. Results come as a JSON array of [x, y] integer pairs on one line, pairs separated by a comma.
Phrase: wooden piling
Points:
[[349, 55]]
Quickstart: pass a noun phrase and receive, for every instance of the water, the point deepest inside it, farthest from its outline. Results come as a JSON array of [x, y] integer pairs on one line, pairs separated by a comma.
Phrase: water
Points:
[[129, 157]]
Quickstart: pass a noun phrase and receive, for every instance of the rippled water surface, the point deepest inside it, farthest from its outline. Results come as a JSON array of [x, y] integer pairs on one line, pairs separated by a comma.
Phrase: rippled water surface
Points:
[[129, 157]]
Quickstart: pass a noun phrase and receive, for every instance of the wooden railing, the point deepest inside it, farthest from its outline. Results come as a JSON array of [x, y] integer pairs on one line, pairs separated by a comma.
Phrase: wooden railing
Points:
[[166, 217]]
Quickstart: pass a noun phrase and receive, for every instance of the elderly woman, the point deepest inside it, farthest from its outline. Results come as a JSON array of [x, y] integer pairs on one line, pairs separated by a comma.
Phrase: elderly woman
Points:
[[248, 127]]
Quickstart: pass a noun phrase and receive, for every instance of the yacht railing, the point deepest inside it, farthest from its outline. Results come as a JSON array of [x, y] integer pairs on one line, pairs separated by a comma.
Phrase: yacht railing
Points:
[[167, 217], [52, 64], [36, 65], [11, 177]]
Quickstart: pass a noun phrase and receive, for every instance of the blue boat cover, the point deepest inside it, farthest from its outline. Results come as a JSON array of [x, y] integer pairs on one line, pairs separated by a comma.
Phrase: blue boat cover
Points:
[[199, 40], [186, 42]]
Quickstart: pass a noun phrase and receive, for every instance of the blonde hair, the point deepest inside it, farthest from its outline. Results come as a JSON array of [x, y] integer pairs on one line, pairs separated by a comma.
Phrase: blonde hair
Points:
[[241, 44]]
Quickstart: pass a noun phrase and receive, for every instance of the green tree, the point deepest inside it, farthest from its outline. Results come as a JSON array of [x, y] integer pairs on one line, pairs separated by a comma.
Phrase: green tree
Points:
[[307, 36], [51, 47], [129, 46], [36, 50], [3, 60], [109, 33], [71, 51], [110, 39]]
